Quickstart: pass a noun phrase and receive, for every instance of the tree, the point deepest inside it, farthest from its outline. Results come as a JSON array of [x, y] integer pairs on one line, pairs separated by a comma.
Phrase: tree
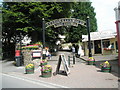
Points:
[[81, 10], [21, 18]]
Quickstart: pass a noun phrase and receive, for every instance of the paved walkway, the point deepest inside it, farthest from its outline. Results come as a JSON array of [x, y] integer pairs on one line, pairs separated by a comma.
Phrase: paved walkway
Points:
[[113, 60], [81, 75], [102, 57]]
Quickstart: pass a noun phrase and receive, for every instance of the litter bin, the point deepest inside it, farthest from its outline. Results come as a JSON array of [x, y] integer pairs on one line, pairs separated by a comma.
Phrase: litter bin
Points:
[[18, 58]]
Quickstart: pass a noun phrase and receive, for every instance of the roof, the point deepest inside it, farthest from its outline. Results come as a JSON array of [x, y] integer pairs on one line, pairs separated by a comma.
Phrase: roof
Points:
[[99, 35]]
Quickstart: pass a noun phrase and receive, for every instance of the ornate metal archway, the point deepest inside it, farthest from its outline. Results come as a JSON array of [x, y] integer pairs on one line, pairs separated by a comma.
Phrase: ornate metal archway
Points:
[[68, 22]]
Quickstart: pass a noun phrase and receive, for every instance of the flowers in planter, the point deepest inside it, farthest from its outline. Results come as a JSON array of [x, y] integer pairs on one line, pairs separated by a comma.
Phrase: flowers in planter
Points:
[[46, 68], [38, 43], [105, 67], [91, 61], [43, 62], [107, 49], [29, 69], [105, 64], [33, 46], [29, 66], [30, 47], [46, 71]]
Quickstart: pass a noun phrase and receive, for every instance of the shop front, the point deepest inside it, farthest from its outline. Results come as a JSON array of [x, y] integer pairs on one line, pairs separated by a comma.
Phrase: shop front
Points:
[[101, 43]]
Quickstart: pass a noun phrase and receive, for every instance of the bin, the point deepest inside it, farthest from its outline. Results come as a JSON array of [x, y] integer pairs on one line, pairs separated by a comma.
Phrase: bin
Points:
[[18, 61], [18, 58]]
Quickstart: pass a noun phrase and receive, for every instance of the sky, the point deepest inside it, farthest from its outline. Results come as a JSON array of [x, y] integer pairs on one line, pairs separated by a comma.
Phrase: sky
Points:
[[105, 14]]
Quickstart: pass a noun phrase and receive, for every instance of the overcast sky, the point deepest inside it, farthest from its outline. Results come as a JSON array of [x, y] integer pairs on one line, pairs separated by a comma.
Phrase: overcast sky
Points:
[[105, 14]]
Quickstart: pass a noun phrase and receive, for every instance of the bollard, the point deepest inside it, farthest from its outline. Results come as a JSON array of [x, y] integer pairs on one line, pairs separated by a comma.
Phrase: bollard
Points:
[[73, 59], [44, 54], [69, 61]]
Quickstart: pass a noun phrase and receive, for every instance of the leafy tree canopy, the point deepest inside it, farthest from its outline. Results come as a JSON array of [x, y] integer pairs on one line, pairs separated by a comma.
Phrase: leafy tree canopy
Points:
[[81, 10], [26, 17]]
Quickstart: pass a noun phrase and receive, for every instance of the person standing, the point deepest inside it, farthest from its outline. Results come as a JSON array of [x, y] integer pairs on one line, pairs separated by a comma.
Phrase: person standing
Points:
[[73, 50]]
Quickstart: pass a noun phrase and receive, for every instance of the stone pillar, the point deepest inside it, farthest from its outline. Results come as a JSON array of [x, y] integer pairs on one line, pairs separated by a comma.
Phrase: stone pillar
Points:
[[27, 57]]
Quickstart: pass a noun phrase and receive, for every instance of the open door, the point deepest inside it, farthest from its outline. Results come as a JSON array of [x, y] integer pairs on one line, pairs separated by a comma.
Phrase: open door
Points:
[[97, 47]]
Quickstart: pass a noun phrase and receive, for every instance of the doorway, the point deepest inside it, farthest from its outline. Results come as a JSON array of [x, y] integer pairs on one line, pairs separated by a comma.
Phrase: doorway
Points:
[[97, 47]]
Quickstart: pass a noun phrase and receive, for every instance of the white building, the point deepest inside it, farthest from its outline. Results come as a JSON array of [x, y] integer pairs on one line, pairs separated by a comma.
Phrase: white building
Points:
[[100, 41]]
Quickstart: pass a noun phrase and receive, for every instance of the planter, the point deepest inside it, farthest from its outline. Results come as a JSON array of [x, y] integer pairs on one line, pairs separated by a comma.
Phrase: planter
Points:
[[46, 71], [46, 74], [106, 69], [29, 70], [91, 62]]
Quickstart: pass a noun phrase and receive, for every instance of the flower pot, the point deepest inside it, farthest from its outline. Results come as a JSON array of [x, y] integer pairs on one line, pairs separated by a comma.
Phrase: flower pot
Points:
[[106, 69], [46, 74], [29, 70]]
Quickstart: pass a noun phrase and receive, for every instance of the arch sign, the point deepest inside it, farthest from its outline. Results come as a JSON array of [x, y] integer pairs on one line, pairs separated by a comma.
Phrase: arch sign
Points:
[[65, 22]]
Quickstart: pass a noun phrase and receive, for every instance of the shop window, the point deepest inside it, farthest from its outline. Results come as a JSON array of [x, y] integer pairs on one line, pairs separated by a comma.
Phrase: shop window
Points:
[[106, 43]]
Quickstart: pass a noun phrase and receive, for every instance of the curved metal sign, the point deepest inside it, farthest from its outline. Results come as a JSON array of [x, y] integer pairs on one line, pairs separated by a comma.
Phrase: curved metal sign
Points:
[[65, 22]]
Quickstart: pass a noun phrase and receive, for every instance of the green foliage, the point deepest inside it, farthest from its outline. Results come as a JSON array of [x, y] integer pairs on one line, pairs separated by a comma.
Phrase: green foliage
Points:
[[26, 17], [39, 43], [80, 11]]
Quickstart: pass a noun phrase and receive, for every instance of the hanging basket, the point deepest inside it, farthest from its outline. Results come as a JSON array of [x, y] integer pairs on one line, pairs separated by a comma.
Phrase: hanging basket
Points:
[[29, 70], [106, 69]]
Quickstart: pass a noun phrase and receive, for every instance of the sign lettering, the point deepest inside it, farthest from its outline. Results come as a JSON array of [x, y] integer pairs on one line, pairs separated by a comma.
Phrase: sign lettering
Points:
[[65, 22]]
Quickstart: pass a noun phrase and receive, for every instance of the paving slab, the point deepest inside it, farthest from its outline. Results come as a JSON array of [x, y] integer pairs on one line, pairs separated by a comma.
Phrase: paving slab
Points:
[[81, 75]]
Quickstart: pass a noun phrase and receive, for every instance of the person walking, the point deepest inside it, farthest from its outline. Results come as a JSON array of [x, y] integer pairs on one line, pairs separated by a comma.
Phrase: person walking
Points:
[[73, 50]]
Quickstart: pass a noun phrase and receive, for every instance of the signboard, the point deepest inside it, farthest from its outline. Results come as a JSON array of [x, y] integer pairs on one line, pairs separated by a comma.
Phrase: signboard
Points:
[[65, 22], [36, 53], [65, 65]]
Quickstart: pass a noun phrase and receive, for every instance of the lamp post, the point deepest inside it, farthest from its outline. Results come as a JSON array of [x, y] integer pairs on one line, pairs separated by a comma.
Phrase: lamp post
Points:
[[88, 31], [89, 41], [43, 29]]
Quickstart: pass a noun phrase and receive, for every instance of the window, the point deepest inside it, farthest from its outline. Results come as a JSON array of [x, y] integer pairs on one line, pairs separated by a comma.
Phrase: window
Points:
[[106, 43]]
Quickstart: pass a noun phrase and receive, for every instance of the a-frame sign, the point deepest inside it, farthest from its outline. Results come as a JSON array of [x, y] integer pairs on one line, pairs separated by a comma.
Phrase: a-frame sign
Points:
[[65, 65]]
